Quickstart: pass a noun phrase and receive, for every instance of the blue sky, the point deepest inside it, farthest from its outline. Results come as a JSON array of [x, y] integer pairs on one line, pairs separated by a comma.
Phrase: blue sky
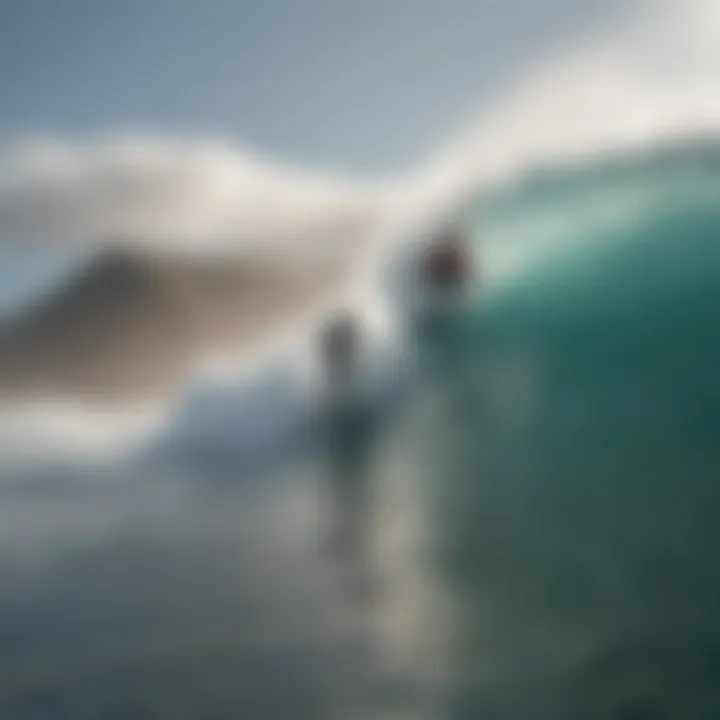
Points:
[[358, 85]]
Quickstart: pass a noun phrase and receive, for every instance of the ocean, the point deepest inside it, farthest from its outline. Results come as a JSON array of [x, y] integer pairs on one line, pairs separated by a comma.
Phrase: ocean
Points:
[[520, 522]]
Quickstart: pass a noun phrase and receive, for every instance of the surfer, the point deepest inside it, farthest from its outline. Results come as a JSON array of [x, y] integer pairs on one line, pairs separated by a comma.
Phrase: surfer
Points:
[[350, 428], [443, 271]]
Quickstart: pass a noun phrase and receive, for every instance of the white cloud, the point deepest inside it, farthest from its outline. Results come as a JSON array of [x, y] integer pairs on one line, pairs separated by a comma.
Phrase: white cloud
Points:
[[176, 195]]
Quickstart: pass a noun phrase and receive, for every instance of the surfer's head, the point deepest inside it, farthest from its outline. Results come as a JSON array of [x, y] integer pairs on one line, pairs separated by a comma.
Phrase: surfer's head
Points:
[[446, 263], [339, 347]]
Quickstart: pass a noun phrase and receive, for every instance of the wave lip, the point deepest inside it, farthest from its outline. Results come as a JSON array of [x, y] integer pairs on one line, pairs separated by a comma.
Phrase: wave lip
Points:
[[651, 81]]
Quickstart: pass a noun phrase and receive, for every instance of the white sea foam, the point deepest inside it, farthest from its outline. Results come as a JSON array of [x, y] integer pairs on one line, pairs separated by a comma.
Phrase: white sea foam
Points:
[[60, 431]]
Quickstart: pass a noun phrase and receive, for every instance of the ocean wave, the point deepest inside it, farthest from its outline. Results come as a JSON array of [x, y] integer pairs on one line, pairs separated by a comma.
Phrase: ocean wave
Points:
[[649, 81], [623, 96]]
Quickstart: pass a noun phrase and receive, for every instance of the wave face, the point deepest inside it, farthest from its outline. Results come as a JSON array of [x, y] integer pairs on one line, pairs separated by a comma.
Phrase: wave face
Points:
[[573, 448]]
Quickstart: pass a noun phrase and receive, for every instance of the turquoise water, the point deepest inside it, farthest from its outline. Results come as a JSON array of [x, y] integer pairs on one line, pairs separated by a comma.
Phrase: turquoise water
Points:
[[576, 458]]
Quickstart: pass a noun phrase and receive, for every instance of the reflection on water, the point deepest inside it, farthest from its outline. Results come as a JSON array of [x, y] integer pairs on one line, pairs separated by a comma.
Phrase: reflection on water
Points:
[[181, 585], [351, 434], [171, 602]]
